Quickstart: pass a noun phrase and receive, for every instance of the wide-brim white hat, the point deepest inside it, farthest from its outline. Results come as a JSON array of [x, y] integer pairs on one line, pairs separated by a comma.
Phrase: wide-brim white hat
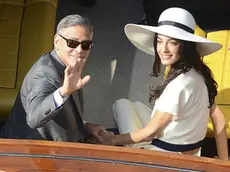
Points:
[[175, 23]]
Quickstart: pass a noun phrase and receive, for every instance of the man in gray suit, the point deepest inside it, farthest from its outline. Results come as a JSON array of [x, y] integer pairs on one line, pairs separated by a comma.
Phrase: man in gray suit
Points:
[[49, 105]]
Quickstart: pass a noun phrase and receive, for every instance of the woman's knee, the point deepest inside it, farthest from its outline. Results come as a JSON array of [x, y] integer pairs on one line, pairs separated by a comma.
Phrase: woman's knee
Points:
[[125, 116], [138, 103], [120, 107], [141, 106], [120, 103]]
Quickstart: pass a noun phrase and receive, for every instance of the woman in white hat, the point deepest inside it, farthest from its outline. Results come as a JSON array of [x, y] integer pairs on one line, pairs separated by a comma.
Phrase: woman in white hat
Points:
[[186, 98]]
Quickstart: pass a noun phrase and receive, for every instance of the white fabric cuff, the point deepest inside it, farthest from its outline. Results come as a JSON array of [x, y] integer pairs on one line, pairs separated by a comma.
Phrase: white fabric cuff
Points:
[[58, 99]]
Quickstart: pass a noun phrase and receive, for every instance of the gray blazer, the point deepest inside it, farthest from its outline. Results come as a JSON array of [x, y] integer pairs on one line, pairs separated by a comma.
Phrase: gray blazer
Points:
[[40, 112]]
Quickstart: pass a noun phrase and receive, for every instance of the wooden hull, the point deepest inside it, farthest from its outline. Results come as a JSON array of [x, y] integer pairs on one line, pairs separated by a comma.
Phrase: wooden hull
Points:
[[46, 156]]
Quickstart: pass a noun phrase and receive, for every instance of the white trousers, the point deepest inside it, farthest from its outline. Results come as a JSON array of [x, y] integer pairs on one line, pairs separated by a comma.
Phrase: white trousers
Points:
[[131, 116]]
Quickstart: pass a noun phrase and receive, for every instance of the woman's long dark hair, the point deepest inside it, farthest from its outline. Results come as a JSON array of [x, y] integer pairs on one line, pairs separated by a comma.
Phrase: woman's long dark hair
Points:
[[189, 59]]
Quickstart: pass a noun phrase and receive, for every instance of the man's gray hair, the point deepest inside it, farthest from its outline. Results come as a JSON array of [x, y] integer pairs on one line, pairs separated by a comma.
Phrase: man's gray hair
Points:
[[74, 20]]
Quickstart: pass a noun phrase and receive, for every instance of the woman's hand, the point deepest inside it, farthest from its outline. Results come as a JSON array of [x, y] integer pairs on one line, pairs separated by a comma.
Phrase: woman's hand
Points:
[[107, 138], [98, 132]]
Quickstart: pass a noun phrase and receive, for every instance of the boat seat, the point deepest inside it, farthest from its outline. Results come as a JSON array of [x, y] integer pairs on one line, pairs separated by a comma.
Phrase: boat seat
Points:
[[26, 32]]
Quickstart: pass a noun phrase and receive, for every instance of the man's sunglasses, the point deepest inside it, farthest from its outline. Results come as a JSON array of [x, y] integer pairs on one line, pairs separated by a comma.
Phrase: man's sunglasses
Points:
[[85, 45]]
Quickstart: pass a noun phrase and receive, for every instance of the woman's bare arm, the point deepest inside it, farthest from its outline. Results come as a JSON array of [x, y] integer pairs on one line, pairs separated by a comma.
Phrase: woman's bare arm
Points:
[[218, 121], [157, 122]]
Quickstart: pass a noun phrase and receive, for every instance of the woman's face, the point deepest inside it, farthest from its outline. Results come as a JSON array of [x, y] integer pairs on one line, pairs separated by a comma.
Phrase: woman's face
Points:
[[168, 50]]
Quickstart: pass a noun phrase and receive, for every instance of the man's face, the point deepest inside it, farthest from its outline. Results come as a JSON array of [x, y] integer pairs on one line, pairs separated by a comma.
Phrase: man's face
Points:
[[67, 44]]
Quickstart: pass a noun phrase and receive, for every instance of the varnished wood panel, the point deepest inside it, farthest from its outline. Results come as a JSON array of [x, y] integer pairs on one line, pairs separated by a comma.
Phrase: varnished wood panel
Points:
[[36, 156]]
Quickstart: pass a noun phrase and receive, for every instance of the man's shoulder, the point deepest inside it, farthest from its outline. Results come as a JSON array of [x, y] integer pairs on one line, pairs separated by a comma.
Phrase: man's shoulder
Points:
[[43, 64], [43, 67], [45, 60]]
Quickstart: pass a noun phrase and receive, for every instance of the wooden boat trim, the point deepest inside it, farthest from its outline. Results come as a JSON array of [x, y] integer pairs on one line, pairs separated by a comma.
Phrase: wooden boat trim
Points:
[[107, 155]]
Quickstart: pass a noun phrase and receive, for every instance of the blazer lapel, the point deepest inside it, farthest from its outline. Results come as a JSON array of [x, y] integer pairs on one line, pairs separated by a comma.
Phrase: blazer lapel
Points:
[[77, 102], [75, 99], [58, 64]]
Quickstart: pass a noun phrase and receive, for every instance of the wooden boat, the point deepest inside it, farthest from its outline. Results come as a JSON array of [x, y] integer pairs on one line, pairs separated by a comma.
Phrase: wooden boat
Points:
[[36, 156], [45, 156]]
